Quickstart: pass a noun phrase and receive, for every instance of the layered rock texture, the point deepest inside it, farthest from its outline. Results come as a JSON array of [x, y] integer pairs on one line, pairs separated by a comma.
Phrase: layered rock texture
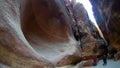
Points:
[[87, 40], [38, 34], [35, 34], [107, 14]]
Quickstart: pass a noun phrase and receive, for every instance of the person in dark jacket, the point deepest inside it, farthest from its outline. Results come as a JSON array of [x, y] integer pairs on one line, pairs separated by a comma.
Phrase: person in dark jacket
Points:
[[104, 59]]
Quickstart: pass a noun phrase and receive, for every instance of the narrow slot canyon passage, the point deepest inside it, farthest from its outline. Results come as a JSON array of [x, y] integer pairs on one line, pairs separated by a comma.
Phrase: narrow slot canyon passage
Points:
[[59, 34]]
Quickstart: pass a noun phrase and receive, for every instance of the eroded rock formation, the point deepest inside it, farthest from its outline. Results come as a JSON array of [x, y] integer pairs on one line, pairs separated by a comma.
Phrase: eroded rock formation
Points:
[[107, 14], [38, 34], [87, 40], [35, 34]]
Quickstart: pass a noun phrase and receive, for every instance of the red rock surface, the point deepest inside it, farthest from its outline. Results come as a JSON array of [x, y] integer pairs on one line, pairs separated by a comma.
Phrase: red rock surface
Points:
[[38, 34], [30, 30], [46, 20]]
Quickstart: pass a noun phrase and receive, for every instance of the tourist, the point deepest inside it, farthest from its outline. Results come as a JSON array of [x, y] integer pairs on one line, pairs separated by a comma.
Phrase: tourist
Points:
[[95, 61], [105, 59]]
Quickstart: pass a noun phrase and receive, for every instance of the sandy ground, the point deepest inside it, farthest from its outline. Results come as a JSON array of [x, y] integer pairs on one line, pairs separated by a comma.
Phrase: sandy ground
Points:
[[110, 64]]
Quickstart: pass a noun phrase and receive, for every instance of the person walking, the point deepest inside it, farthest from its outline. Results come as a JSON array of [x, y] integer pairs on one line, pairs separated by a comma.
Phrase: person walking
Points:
[[94, 61], [104, 60]]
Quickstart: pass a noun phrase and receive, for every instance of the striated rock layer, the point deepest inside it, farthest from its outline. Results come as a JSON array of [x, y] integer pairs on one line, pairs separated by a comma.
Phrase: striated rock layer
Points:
[[35, 34], [38, 33], [107, 14], [87, 40]]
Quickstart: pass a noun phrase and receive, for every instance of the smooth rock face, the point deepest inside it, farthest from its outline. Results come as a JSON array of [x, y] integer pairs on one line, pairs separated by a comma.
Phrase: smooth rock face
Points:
[[35, 33], [107, 14], [15, 51], [38, 34], [46, 20]]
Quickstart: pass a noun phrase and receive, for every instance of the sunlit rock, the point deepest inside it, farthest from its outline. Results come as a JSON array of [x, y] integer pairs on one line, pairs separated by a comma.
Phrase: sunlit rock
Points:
[[87, 40]]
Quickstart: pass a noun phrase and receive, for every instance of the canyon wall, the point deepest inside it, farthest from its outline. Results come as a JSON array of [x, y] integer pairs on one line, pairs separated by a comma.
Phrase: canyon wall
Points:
[[107, 14], [38, 34]]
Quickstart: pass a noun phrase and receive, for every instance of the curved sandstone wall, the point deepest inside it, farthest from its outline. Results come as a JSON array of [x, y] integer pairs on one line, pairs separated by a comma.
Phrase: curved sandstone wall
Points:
[[35, 34]]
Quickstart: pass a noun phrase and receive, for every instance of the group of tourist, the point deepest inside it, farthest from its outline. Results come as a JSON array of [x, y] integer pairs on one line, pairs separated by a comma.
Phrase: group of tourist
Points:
[[109, 52]]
